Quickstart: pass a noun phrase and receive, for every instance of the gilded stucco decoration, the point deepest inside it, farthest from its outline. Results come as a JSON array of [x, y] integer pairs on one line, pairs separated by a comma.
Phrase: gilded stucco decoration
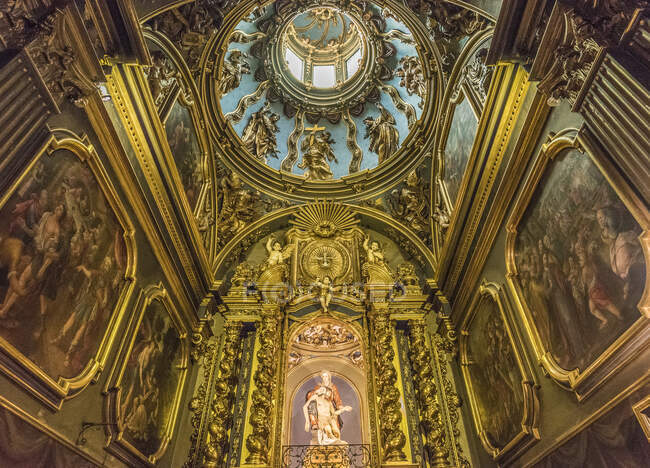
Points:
[[393, 439], [294, 133]]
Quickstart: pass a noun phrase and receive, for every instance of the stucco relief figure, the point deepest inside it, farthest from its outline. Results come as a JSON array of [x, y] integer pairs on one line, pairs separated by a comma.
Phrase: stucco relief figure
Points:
[[374, 252], [317, 154], [233, 68], [161, 77], [276, 254], [410, 203], [238, 206], [322, 410], [384, 137], [259, 134], [412, 78]]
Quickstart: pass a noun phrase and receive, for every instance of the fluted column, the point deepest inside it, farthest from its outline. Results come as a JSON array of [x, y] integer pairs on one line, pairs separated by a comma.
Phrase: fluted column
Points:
[[431, 418], [263, 397], [393, 439], [223, 399]]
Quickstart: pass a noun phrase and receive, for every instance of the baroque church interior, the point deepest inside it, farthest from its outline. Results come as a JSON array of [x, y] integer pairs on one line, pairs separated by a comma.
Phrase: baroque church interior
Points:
[[324, 233]]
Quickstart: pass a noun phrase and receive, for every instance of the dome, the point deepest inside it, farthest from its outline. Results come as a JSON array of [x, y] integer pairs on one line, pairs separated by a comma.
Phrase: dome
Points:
[[321, 99]]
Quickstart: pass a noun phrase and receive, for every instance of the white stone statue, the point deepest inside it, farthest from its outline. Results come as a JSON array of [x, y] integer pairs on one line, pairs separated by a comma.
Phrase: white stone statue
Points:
[[374, 253], [322, 412]]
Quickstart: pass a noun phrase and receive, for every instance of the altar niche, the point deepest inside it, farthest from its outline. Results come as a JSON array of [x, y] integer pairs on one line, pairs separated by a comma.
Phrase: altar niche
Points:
[[325, 391]]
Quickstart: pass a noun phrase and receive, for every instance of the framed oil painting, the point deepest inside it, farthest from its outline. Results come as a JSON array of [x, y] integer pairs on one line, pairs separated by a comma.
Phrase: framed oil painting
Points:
[[577, 253], [66, 269], [500, 383], [144, 391], [458, 148], [613, 440], [26, 443]]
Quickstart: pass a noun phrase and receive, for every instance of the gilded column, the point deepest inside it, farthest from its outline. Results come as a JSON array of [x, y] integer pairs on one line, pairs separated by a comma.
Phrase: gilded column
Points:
[[393, 439], [221, 410], [431, 417], [263, 398]]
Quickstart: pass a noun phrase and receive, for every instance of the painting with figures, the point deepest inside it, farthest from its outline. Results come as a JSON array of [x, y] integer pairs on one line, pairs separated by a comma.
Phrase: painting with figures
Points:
[[62, 265], [459, 146], [150, 380], [185, 151], [579, 260], [495, 375]]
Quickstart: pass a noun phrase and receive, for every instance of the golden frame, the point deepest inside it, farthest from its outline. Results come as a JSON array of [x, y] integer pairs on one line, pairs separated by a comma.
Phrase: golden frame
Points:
[[582, 382], [49, 432], [115, 444], [454, 94], [12, 362], [207, 194], [529, 433], [644, 420]]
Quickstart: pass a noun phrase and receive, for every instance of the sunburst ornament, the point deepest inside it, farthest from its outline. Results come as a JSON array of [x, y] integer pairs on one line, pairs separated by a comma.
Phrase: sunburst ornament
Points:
[[324, 219]]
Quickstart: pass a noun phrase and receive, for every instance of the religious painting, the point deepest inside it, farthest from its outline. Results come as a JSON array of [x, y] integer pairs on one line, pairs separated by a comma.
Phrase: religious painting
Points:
[[615, 440], [326, 411], [579, 263], [22, 445], [186, 151], [63, 268], [502, 398], [458, 147], [150, 381]]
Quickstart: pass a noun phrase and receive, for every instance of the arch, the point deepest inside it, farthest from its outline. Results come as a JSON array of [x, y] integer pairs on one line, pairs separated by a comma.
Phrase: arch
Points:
[[274, 219]]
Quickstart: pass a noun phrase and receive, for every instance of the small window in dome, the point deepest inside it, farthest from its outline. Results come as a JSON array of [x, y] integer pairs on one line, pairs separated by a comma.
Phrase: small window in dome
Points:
[[324, 76], [294, 63], [353, 63]]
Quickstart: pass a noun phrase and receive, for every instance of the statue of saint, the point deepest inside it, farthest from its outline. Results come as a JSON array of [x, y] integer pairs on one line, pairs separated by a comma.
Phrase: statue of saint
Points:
[[374, 253], [233, 69], [322, 410], [277, 255], [317, 154], [384, 137], [259, 134]]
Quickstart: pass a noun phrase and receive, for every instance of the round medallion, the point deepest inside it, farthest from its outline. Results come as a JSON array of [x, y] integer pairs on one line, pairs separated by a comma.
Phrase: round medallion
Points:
[[325, 258]]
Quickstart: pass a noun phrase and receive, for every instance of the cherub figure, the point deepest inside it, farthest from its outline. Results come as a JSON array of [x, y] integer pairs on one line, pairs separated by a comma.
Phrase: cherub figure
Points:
[[374, 253], [277, 255], [324, 290]]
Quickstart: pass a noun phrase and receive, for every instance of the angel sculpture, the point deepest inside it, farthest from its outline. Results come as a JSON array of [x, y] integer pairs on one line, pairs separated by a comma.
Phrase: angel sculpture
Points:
[[259, 134], [277, 255], [233, 69], [383, 135], [324, 291], [317, 154], [374, 253]]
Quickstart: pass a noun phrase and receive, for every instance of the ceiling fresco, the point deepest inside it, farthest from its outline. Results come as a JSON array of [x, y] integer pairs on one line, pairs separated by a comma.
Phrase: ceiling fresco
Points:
[[321, 92]]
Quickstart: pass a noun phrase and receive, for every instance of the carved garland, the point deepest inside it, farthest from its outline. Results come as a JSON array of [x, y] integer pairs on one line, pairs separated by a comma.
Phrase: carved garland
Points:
[[393, 439], [430, 411], [222, 402], [258, 442]]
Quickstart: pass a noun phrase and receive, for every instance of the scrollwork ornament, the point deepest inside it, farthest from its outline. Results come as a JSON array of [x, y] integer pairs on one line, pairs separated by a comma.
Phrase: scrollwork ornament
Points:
[[393, 439]]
